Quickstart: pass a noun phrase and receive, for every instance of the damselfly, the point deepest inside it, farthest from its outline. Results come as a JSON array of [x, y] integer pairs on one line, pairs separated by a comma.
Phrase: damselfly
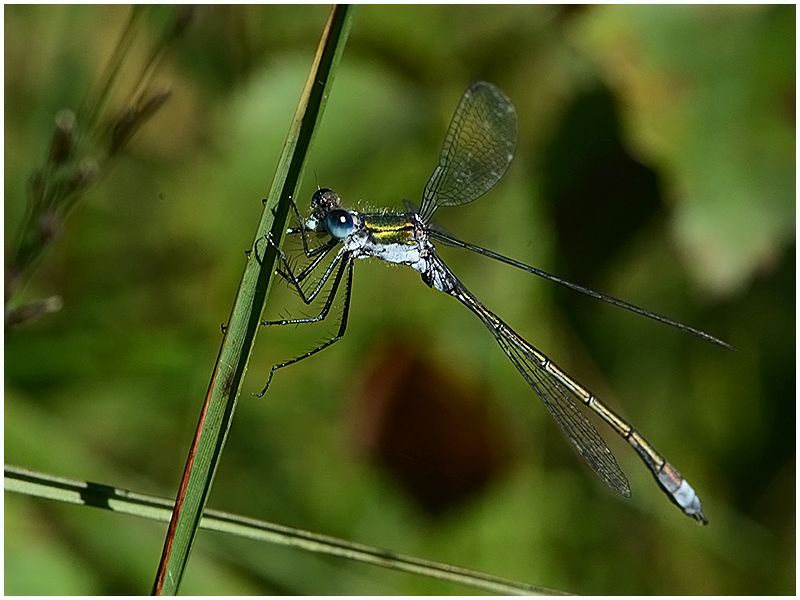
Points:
[[477, 151]]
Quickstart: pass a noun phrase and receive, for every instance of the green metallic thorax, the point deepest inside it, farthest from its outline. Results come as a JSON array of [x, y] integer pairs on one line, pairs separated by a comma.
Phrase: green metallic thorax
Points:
[[390, 228]]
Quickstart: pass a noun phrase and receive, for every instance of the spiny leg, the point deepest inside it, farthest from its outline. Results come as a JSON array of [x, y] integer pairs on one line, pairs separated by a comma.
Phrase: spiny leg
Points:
[[296, 280], [302, 229], [318, 253], [324, 249], [331, 295], [346, 264]]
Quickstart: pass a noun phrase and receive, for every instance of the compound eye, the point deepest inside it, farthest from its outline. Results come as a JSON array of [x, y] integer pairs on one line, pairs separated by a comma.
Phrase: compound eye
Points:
[[339, 223], [320, 195]]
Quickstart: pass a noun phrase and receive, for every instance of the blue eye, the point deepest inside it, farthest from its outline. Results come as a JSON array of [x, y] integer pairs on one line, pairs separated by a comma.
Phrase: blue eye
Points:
[[339, 223]]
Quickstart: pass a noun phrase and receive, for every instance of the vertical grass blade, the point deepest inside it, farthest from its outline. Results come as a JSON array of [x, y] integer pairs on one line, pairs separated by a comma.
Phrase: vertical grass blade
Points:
[[217, 413]]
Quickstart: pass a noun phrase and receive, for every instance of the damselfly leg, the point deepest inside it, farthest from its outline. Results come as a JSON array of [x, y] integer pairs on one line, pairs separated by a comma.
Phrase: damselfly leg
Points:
[[342, 262]]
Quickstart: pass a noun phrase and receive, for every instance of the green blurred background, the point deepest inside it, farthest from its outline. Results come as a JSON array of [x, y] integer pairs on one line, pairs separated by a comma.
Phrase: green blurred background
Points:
[[656, 163]]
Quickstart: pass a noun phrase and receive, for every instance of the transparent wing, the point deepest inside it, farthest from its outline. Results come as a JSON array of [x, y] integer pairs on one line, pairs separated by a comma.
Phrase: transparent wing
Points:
[[477, 151], [579, 429], [532, 365]]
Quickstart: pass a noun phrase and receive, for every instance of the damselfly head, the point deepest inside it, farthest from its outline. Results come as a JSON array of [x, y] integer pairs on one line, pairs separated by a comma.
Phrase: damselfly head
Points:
[[322, 202]]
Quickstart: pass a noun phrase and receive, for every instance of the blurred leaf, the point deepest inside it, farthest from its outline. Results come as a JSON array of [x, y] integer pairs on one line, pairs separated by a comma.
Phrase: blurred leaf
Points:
[[710, 95]]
